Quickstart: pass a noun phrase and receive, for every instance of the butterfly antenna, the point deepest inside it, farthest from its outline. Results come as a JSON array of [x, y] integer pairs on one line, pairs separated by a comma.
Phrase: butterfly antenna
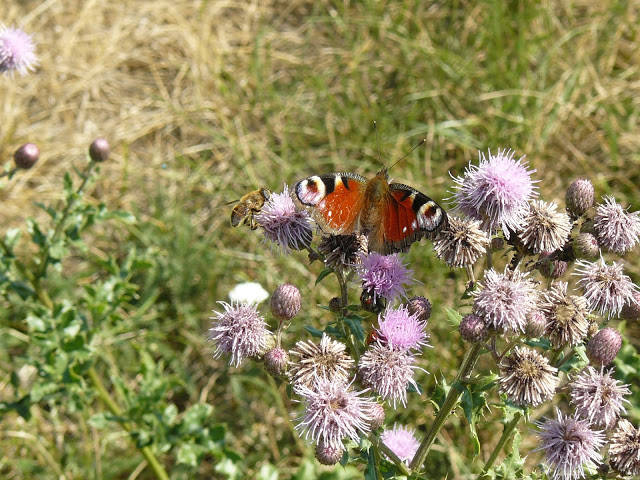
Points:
[[424, 140], [375, 127]]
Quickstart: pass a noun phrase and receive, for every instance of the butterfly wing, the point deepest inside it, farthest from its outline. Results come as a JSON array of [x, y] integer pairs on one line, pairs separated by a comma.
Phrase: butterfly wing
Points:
[[408, 215], [337, 200]]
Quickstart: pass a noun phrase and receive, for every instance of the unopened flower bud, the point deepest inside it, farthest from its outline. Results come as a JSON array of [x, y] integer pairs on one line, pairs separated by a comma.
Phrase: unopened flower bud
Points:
[[335, 304], [604, 346], [536, 324], [99, 150], [328, 455], [586, 246], [497, 243], [276, 361], [285, 302], [26, 156], [473, 329], [631, 310], [377, 416], [579, 197], [420, 307], [551, 267]]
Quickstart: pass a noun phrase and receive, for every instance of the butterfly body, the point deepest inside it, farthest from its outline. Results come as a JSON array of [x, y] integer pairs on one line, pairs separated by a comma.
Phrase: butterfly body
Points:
[[248, 206], [391, 215]]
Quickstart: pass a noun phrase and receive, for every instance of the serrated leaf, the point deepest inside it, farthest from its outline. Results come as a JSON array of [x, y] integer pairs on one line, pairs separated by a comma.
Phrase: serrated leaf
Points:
[[356, 328], [188, 454], [453, 316]]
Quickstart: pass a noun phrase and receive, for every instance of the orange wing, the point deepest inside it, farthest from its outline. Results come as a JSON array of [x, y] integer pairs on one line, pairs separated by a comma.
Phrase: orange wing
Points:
[[337, 200]]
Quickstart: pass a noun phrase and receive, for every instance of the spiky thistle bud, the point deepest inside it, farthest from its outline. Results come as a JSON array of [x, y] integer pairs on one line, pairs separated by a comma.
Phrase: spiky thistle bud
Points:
[[473, 329], [285, 302], [276, 361], [579, 196], [26, 156], [604, 346], [99, 150]]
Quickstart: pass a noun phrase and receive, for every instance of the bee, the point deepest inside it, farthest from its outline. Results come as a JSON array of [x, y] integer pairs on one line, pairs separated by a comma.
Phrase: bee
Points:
[[248, 206]]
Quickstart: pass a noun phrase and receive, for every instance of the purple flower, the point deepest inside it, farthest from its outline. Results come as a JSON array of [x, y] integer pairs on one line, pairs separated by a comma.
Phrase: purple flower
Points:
[[505, 299], [606, 287], [496, 192], [569, 445], [401, 330], [388, 372], [598, 397], [401, 441], [333, 411], [240, 332], [384, 275], [283, 225], [616, 229], [16, 51]]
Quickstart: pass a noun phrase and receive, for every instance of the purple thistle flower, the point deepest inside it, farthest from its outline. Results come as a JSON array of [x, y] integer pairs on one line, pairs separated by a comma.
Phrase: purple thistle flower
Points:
[[606, 287], [384, 275], [17, 51], [402, 330], [283, 225], [598, 397], [505, 299], [332, 412], [401, 441], [240, 332], [388, 372], [616, 229], [496, 192], [569, 445]]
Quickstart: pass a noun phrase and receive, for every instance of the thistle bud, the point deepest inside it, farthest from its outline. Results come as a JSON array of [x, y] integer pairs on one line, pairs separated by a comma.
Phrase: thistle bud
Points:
[[377, 416], [420, 307], [579, 197], [604, 346], [536, 324], [276, 361], [328, 455], [285, 302], [586, 246], [335, 304], [99, 150], [551, 267], [631, 310], [26, 156], [473, 329]]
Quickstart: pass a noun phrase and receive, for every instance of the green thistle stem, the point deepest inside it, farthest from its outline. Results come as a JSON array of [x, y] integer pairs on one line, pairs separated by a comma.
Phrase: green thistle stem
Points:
[[506, 433], [148, 454], [450, 402]]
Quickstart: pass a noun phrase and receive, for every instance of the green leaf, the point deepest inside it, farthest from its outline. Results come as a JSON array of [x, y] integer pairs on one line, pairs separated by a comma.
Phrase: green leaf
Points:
[[355, 326], [268, 472], [11, 237], [453, 316], [188, 454], [323, 274]]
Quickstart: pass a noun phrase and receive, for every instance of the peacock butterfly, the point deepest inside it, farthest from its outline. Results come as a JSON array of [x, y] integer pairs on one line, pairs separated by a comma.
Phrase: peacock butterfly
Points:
[[391, 215]]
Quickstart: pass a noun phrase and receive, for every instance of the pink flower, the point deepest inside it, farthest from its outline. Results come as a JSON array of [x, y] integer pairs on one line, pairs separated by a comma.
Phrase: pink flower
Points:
[[16, 51], [384, 275], [401, 441], [401, 330]]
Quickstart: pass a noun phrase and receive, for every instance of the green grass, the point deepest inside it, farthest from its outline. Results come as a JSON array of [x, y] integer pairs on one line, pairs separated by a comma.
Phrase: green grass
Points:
[[203, 103]]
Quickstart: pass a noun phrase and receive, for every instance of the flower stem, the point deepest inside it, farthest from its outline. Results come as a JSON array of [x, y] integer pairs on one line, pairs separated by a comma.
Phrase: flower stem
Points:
[[506, 433], [148, 454], [379, 446], [450, 402]]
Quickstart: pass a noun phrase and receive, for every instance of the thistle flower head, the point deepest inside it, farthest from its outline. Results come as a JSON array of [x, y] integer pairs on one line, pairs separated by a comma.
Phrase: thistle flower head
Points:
[[401, 330], [17, 51], [496, 192], [326, 360], [401, 441], [461, 243], [569, 445], [526, 377], [26, 156], [567, 322], [419, 306], [624, 449], [333, 411], [343, 252], [283, 225], [544, 228], [384, 275], [586, 246], [328, 455], [239, 331], [388, 372], [505, 299], [598, 397], [606, 287], [99, 150], [631, 309], [616, 229], [473, 329]]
